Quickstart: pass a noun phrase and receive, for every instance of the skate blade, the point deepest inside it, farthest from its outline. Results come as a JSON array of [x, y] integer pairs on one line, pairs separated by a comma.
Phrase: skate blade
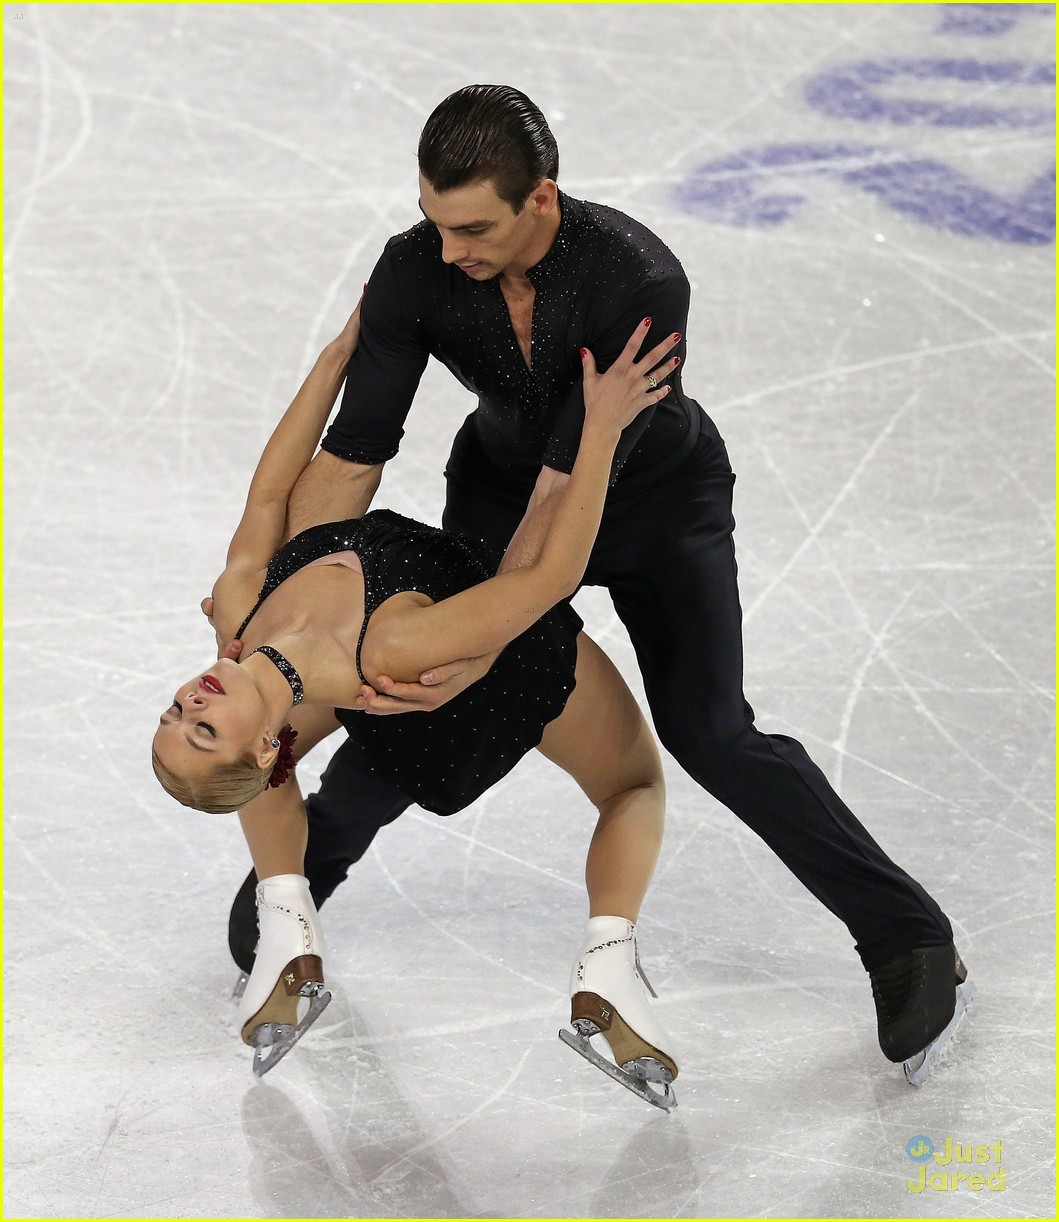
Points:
[[636, 1082], [239, 988], [272, 1041], [918, 1068]]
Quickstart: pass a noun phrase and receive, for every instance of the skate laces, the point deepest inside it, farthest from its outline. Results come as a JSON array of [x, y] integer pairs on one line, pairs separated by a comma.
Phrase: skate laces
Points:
[[618, 942], [306, 925], [894, 983], [641, 973]]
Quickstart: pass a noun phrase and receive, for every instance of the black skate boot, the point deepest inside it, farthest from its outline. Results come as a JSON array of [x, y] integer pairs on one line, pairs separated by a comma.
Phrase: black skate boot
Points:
[[918, 1000], [242, 925]]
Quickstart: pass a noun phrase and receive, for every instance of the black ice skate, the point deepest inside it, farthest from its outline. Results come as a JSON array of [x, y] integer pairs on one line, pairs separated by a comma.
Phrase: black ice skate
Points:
[[242, 929], [920, 1000]]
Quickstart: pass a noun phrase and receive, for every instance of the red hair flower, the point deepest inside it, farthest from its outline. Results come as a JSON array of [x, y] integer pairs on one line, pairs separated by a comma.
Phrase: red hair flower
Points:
[[284, 764]]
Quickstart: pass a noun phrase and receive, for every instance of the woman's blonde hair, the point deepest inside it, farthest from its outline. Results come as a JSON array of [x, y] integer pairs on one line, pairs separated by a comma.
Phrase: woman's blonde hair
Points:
[[228, 787]]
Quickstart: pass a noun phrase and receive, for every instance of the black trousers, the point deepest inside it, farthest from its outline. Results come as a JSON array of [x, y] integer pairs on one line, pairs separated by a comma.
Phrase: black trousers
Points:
[[667, 557]]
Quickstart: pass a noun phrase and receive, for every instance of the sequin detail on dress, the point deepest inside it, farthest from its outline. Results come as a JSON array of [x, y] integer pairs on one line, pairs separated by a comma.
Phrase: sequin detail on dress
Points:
[[286, 669], [602, 274], [445, 759]]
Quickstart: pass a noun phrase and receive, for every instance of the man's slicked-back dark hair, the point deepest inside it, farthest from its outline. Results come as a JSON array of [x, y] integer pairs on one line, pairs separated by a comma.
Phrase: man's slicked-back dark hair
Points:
[[489, 132]]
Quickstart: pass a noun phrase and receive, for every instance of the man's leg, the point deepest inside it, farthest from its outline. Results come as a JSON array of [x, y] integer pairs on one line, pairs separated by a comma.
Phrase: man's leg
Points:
[[350, 806], [669, 561]]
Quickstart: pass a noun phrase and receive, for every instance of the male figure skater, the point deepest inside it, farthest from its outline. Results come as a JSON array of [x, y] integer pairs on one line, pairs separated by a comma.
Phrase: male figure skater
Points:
[[504, 281]]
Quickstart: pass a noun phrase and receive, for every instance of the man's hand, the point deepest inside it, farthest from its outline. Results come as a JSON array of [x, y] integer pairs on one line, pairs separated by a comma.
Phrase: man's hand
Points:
[[435, 688], [225, 649]]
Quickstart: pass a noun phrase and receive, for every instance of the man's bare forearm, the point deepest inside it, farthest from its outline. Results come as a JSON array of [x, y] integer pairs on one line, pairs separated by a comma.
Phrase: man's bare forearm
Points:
[[528, 539], [329, 490]]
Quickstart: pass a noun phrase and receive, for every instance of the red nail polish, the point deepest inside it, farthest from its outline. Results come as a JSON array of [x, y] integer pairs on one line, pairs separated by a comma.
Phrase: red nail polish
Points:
[[676, 335], [646, 322], [676, 360], [584, 352]]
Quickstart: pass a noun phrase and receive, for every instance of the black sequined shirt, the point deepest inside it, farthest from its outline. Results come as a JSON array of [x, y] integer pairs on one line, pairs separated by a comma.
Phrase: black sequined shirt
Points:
[[445, 759], [603, 274]]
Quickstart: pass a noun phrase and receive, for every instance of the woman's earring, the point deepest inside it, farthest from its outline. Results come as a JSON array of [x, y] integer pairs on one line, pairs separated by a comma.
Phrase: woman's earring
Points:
[[275, 743]]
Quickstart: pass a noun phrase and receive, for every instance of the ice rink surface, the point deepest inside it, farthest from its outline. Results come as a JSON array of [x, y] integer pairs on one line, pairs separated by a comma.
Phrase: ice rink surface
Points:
[[861, 197]]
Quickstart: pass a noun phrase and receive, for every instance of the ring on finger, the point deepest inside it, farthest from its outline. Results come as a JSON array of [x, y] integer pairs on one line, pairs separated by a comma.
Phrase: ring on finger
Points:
[[651, 380]]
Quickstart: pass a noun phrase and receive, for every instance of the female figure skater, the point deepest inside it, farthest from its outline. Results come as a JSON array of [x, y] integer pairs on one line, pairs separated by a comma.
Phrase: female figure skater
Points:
[[340, 604]]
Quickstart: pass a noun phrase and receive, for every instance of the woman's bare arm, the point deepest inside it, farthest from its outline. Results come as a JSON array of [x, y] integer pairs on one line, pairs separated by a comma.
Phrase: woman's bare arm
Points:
[[412, 633], [405, 635], [289, 451], [264, 523]]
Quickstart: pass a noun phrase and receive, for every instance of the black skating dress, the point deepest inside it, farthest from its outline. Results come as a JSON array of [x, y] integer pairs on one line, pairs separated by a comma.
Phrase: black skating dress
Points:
[[446, 758]]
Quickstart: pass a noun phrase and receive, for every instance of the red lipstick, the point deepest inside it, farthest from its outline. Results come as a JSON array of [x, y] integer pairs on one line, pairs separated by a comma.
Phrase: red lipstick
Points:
[[211, 685]]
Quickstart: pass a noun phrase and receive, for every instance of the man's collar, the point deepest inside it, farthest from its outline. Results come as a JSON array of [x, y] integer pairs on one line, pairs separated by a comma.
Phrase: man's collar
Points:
[[552, 268]]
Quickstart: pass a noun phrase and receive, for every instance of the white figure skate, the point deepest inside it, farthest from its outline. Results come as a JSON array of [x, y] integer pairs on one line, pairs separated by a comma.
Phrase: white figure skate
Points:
[[608, 998], [288, 969]]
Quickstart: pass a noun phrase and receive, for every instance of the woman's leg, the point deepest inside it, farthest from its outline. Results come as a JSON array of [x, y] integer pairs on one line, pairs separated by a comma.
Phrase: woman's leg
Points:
[[287, 961], [276, 831], [602, 740], [285, 991]]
